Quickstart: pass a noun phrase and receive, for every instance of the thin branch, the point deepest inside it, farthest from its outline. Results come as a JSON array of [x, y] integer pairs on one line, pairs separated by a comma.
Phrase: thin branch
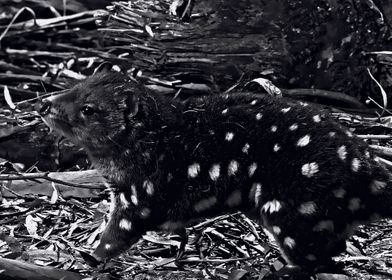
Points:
[[375, 137], [15, 17], [382, 91], [45, 176], [331, 95], [385, 151]]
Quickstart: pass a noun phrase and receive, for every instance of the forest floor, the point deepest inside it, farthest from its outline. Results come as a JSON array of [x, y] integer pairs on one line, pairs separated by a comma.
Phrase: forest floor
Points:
[[52, 229]]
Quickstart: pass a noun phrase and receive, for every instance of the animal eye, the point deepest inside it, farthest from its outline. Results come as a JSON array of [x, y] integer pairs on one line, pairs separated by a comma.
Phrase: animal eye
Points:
[[87, 110]]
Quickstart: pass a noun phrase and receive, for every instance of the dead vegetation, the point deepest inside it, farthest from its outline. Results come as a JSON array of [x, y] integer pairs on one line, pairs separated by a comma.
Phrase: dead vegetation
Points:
[[334, 54]]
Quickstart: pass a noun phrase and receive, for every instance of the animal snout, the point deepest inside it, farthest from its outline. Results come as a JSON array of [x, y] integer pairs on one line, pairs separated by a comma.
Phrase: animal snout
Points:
[[43, 108]]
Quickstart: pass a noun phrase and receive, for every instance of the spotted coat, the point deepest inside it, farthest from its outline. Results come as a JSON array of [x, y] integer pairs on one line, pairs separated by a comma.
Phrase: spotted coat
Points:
[[305, 177]]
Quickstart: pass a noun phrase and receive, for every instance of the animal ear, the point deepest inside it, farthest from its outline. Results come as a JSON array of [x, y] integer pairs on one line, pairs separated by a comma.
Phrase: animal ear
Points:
[[132, 104]]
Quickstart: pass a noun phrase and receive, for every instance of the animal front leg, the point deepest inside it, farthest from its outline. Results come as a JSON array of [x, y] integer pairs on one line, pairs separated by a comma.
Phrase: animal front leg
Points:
[[182, 232], [122, 231]]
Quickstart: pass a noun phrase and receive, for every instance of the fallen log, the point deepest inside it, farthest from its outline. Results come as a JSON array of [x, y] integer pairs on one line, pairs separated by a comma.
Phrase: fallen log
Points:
[[306, 44], [18, 270], [78, 184]]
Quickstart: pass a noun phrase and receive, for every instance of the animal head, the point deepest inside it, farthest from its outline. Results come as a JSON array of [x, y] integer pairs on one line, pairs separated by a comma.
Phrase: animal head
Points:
[[95, 112]]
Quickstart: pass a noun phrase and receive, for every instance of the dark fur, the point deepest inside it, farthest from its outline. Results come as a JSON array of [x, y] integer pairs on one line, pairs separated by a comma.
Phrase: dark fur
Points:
[[136, 135]]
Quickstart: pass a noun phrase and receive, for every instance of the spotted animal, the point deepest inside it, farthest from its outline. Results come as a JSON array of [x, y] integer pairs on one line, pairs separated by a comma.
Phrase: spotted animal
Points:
[[305, 178]]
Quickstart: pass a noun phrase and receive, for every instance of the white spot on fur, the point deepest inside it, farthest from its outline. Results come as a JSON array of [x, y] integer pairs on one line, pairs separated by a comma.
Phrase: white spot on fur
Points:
[[254, 102], [271, 206], [146, 155], [349, 133], [311, 257], [205, 204], [293, 127], [233, 168], [316, 118], [332, 134], [339, 193], [255, 193], [342, 152], [285, 110], [245, 149], [148, 187], [214, 172], [108, 246], [145, 213], [193, 170], [289, 242], [134, 195], [252, 169], [171, 226], [327, 225], [124, 224], [277, 230], [124, 201], [274, 128], [377, 186], [354, 204], [307, 208], [276, 148], [169, 177], [224, 112], [367, 154], [259, 116], [229, 136], [304, 104], [234, 199], [355, 164], [303, 141], [310, 169]]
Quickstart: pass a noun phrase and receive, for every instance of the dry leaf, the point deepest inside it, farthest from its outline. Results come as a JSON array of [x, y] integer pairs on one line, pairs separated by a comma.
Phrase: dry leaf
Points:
[[149, 31], [8, 98], [55, 194], [31, 224], [268, 86], [238, 274]]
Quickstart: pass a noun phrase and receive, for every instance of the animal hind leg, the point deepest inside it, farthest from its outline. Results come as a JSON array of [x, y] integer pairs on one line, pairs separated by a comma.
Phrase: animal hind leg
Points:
[[312, 251], [306, 241]]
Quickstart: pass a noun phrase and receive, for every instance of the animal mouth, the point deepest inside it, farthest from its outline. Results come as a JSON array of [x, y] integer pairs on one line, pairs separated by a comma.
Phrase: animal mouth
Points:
[[59, 125]]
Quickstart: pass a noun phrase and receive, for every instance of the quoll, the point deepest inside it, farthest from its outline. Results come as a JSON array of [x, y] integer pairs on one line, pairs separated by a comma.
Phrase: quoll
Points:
[[305, 178]]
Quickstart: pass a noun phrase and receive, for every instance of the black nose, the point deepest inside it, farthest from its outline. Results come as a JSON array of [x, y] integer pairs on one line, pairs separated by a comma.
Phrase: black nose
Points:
[[43, 108]]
